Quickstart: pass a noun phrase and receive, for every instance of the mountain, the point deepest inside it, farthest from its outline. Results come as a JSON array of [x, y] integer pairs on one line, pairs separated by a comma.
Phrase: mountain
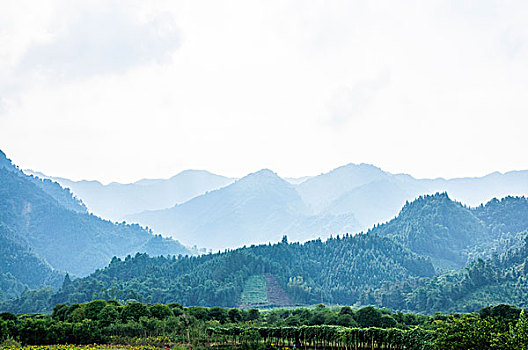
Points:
[[498, 280], [375, 196], [43, 233], [115, 201], [319, 191], [258, 208], [497, 268], [20, 268], [453, 235], [377, 201], [60, 194], [349, 199], [437, 227]]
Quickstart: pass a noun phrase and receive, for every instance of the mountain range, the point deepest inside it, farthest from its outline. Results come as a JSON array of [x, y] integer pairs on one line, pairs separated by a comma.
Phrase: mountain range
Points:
[[261, 206], [46, 232], [212, 211], [114, 201], [401, 264]]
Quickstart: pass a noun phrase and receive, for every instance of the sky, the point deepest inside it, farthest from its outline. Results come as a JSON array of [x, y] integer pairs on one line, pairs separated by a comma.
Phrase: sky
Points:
[[124, 90]]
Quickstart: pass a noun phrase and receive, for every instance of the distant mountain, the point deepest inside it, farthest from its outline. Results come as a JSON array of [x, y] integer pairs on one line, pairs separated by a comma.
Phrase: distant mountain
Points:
[[115, 201], [474, 191], [318, 192], [44, 231], [379, 200], [348, 199], [258, 208], [375, 196]]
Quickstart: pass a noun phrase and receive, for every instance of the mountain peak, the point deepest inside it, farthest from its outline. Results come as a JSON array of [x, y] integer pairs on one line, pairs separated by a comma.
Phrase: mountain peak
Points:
[[262, 174], [6, 162]]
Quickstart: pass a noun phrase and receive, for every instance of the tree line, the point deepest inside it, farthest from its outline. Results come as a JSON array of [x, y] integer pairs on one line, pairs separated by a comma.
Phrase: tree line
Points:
[[104, 322]]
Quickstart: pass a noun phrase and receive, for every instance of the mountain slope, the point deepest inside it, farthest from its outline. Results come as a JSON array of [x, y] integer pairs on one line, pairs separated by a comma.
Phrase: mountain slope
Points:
[[114, 201], [377, 201], [498, 280], [20, 268], [65, 240], [258, 208], [60, 194], [319, 191], [437, 227], [453, 235]]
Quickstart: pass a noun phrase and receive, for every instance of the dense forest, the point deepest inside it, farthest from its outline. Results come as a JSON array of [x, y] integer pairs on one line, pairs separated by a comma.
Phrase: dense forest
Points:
[[307, 273], [170, 326]]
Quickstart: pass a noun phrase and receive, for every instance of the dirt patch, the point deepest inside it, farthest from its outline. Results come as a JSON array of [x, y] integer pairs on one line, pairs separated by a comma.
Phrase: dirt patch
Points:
[[277, 296]]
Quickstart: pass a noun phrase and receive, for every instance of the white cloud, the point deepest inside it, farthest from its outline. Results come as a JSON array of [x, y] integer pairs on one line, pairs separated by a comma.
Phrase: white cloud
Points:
[[100, 38], [124, 90]]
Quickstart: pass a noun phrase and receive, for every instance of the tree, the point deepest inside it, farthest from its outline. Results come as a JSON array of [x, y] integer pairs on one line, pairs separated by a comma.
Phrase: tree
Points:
[[253, 315], [346, 320], [218, 314], [520, 332], [368, 317], [133, 311], [234, 315], [161, 311], [108, 315], [93, 308]]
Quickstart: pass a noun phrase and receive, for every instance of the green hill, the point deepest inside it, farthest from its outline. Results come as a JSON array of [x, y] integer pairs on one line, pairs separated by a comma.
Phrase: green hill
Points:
[[453, 235], [335, 271]]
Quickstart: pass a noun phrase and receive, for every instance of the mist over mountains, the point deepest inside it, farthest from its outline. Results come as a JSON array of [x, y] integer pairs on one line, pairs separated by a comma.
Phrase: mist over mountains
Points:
[[212, 211], [114, 201]]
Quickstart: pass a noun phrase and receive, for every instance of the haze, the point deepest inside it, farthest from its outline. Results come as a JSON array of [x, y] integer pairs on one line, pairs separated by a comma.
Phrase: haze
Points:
[[123, 90]]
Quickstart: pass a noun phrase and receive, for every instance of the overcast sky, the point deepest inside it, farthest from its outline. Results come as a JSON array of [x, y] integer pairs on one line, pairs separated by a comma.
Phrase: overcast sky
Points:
[[122, 90]]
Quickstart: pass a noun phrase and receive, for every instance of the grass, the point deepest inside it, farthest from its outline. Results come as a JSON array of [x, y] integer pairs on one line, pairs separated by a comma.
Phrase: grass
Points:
[[255, 291]]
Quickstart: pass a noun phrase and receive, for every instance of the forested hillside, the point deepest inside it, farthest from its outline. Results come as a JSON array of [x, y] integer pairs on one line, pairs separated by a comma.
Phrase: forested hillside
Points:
[[335, 271], [62, 195], [501, 279], [45, 232], [21, 268], [452, 234]]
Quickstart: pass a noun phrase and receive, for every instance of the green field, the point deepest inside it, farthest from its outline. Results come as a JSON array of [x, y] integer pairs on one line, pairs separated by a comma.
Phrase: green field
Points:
[[255, 291]]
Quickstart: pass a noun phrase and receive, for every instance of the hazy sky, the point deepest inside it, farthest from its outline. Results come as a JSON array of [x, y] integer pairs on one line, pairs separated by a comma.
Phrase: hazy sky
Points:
[[121, 90]]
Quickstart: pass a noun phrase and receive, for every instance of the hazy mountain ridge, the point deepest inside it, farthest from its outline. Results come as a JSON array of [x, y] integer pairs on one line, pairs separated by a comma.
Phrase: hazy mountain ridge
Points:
[[258, 208], [345, 200], [115, 201]]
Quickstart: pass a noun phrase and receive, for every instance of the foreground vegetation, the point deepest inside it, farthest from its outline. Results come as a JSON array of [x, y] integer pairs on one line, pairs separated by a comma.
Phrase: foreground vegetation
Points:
[[142, 326]]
